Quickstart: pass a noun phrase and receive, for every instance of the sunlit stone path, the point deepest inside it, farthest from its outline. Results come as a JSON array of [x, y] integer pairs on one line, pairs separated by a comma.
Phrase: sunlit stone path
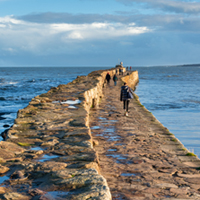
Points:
[[139, 158]]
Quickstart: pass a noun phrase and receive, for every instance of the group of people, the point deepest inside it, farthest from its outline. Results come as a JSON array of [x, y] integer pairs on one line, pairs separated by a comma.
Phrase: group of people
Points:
[[125, 95], [108, 78], [127, 68]]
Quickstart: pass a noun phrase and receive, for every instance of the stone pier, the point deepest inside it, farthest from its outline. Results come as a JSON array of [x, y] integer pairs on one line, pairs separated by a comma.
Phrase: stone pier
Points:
[[48, 153], [74, 142]]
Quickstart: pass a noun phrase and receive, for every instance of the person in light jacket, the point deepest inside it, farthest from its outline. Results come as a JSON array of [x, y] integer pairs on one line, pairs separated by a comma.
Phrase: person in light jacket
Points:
[[125, 97]]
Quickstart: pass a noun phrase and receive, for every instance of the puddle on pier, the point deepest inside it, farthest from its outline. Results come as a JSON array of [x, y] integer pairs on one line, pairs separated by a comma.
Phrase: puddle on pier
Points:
[[112, 150], [110, 129], [119, 144], [122, 159], [46, 157], [3, 178], [71, 102], [95, 127], [112, 138], [118, 156], [37, 149], [128, 174], [56, 195], [103, 118], [109, 122]]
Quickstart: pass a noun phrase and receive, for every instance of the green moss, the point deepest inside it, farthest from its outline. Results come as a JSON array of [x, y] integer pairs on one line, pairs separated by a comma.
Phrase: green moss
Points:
[[190, 154], [174, 140], [24, 144], [73, 175]]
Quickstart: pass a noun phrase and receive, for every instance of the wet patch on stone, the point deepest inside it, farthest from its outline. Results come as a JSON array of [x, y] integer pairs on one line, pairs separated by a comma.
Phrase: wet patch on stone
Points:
[[118, 156], [108, 130], [55, 195], [113, 138], [36, 149], [112, 150], [120, 144], [3, 178], [102, 118], [95, 127], [47, 157], [128, 174]]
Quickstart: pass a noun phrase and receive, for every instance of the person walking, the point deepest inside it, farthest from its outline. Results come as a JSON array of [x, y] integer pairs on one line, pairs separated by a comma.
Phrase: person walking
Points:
[[125, 96], [115, 79], [108, 78]]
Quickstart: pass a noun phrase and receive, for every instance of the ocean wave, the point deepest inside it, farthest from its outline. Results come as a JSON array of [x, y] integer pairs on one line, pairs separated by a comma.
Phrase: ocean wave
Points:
[[6, 83], [153, 106], [18, 98], [191, 101], [172, 76]]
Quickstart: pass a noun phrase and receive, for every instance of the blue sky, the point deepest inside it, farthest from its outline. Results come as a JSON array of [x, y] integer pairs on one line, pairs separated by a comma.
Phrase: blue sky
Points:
[[99, 32]]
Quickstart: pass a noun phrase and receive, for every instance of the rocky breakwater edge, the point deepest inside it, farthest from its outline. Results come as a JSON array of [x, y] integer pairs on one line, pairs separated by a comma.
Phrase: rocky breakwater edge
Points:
[[48, 153]]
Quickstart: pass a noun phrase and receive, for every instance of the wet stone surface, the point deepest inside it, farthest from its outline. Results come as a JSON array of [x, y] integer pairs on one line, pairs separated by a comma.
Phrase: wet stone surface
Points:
[[137, 154], [48, 153]]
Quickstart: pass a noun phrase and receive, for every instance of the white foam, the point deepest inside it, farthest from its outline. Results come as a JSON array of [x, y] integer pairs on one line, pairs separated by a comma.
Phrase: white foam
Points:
[[71, 102], [73, 107]]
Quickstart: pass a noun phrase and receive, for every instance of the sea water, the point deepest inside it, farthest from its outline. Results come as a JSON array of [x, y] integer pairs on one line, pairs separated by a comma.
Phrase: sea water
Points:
[[18, 85], [172, 94]]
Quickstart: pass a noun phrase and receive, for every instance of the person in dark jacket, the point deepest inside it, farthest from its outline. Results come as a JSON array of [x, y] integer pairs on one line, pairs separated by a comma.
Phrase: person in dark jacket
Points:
[[124, 96], [115, 79], [108, 78]]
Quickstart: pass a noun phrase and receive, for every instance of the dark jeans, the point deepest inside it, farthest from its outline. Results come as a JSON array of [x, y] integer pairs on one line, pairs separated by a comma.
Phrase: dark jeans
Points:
[[126, 103]]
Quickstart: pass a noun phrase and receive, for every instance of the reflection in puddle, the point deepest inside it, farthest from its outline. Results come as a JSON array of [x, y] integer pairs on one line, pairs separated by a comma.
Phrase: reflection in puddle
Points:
[[120, 157], [128, 174], [36, 148], [113, 120], [55, 195], [109, 122], [47, 157], [113, 138], [120, 144], [109, 130], [95, 127], [3, 178], [71, 102], [112, 150], [102, 118]]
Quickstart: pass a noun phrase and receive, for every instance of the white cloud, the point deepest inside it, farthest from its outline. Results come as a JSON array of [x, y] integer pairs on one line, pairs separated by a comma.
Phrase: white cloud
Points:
[[47, 38], [168, 5], [98, 30]]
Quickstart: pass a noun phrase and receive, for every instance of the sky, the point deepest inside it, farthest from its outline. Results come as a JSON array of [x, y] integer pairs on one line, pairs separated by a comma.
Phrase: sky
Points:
[[99, 32]]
